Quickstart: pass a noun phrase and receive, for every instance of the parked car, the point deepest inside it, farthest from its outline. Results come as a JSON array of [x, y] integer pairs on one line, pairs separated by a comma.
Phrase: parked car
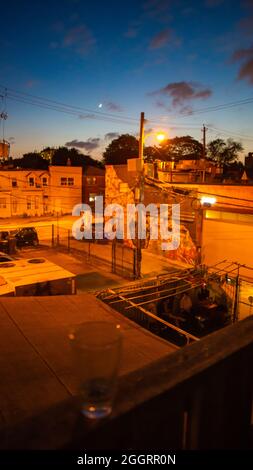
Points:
[[4, 240], [4, 258], [26, 236]]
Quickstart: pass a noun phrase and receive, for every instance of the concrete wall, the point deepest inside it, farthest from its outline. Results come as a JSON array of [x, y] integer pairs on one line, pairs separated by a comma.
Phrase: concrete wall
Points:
[[235, 192]]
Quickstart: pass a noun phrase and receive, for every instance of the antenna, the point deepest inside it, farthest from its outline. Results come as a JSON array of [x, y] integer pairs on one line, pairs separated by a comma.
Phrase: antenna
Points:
[[3, 114]]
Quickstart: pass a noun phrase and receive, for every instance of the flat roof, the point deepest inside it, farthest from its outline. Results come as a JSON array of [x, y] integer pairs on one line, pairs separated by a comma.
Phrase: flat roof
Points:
[[35, 353], [25, 272]]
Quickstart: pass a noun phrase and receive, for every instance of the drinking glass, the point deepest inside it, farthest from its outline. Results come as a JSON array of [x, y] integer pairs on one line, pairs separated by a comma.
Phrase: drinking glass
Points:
[[96, 350]]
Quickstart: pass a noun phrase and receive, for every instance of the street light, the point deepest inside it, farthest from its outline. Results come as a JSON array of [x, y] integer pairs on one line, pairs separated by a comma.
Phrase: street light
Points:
[[208, 201], [140, 194], [160, 137]]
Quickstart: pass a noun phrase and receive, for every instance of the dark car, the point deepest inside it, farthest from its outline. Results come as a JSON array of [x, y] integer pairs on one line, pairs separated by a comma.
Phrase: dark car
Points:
[[4, 258], [4, 241], [26, 236]]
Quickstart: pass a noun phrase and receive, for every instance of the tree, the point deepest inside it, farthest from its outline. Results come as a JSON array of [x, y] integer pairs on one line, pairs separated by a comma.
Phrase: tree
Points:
[[59, 156], [179, 148], [120, 149], [223, 152], [62, 155], [152, 153], [31, 160], [233, 170]]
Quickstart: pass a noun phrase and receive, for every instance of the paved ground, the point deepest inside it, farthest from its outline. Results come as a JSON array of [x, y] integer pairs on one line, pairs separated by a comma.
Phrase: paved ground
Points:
[[90, 277], [35, 357], [152, 263]]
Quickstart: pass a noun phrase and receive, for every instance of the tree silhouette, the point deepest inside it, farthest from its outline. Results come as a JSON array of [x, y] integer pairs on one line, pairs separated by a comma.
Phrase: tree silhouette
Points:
[[120, 149], [224, 152]]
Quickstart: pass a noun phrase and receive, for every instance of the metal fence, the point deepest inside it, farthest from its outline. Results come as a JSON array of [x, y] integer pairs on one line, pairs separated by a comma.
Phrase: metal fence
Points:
[[119, 258]]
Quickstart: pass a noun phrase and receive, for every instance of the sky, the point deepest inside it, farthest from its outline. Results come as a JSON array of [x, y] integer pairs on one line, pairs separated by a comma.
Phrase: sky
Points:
[[78, 73]]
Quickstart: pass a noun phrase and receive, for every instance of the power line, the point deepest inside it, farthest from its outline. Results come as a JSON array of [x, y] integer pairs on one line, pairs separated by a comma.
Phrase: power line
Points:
[[70, 106], [130, 118], [227, 132], [67, 111]]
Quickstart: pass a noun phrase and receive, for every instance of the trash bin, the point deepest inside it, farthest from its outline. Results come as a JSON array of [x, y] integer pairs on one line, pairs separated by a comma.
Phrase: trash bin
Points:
[[12, 245]]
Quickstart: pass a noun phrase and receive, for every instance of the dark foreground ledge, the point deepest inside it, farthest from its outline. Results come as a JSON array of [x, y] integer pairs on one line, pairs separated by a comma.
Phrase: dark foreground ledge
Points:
[[199, 397]]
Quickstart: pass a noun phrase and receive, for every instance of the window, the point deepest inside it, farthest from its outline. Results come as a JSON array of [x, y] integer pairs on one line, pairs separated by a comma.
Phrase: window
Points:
[[29, 202], [2, 202], [64, 181], [91, 180], [36, 202], [14, 182], [44, 181], [67, 181], [31, 181]]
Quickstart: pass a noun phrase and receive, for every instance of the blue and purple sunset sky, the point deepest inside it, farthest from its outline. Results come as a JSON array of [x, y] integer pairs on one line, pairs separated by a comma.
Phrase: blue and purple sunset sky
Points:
[[168, 58]]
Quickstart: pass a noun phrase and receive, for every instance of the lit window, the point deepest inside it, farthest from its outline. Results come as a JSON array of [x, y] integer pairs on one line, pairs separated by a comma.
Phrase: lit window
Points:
[[92, 197], [91, 180]]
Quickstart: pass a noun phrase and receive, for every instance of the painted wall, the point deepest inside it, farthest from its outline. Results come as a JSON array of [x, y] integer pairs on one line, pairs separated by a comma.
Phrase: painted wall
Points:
[[37, 192], [227, 240]]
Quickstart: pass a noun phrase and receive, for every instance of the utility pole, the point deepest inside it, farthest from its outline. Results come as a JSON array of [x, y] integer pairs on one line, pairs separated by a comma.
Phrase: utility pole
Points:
[[139, 194], [204, 129], [237, 294]]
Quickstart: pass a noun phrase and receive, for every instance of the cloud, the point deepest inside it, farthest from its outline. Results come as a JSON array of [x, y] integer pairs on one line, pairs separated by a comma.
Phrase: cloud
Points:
[[112, 106], [240, 54], [90, 144], [79, 39], [111, 135], [160, 39], [86, 116], [181, 93], [246, 69]]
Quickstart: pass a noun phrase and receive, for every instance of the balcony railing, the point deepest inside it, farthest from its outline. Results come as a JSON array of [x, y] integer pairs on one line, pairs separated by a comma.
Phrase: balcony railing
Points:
[[199, 397]]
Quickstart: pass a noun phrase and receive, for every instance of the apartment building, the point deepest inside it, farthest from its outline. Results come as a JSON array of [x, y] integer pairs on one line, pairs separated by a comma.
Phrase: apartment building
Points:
[[38, 192]]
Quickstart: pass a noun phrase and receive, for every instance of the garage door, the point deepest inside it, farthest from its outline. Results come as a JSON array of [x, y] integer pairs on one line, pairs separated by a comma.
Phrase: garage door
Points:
[[227, 236]]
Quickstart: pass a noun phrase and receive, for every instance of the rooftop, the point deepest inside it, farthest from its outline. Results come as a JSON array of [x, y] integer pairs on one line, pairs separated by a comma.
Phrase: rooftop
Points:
[[35, 358]]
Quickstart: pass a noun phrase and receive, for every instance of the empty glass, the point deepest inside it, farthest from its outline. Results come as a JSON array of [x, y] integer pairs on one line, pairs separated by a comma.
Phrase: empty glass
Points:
[[96, 350]]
